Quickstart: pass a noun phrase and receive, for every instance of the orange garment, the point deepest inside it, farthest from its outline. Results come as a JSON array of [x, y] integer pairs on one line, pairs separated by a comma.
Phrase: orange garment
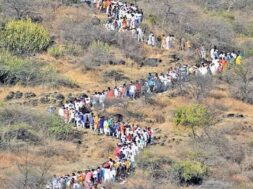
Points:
[[66, 115], [124, 24], [122, 128], [123, 92], [110, 94], [96, 121]]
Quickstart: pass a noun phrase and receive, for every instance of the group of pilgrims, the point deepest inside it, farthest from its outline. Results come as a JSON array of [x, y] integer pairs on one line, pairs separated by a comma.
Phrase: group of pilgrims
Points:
[[132, 138]]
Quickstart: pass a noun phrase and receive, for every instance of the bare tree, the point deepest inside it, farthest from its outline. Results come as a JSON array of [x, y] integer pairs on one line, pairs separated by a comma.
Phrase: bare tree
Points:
[[200, 86], [240, 78], [31, 174], [23, 8]]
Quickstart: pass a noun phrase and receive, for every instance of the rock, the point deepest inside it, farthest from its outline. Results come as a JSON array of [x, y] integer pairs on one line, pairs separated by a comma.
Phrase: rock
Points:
[[233, 115], [53, 101], [240, 116], [83, 95], [44, 100], [77, 141], [18, 95], [29, 95], [22, 134], [174, 58], [118, 117], [59, 97], [34, 102], [59, 103], [10, 96], [71, 99], [122, 62]]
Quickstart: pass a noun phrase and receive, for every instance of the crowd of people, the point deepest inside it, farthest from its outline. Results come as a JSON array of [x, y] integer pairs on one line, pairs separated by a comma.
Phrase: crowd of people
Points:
[[132, 138]]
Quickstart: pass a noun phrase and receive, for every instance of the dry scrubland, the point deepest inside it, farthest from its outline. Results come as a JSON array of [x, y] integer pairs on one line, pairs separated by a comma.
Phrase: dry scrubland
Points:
[[34, 141]]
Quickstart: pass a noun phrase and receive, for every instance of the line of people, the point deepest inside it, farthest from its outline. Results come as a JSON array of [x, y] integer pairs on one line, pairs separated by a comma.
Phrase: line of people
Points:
[[154, 83], [132, 138]]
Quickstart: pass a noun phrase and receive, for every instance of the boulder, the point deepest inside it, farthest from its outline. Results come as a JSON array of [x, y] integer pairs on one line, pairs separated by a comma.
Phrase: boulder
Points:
[[22, 134], [44, 100], [29, 95], [118, 117], [174, 58], [18, 95], [34, 102], [10, 96], [122, 62], [59, 96], [83, 95]]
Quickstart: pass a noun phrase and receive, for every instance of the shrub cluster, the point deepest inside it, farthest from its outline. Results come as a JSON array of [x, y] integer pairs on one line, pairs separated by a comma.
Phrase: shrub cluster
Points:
[[67, 49], [189, 173], [24, 36], [24, 124], [193, 115]]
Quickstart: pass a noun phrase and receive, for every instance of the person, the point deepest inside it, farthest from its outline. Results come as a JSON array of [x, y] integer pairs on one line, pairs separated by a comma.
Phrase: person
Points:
[[101, 125], [188, 44], [132, 89], [202, 52], [213, 53], [238, 58], [140, 35], [163, 42], [106, 128]]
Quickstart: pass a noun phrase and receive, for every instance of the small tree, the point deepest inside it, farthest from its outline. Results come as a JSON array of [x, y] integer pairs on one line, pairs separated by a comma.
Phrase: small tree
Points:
[[20, 9], [240, 78], [195, 115], [24, 36]]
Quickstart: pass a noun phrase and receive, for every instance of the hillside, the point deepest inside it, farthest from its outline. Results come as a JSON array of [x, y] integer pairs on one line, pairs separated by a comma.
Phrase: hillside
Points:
[[56, 53]]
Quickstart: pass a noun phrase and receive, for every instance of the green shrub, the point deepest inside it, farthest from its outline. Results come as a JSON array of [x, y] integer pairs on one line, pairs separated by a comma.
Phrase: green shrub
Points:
[[155, 165], [17, 119], [99, 46], [194, 115], [72, 49], [24, 36], [99, 53], [186, 172], [152, 19], [67, 49], [56, 51]]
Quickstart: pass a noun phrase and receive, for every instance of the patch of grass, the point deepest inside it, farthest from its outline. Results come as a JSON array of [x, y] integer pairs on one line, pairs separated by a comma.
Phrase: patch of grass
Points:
[[44, 124], [56, 51], [156, 165], [16, 70], [73, 49], [224, 14]]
